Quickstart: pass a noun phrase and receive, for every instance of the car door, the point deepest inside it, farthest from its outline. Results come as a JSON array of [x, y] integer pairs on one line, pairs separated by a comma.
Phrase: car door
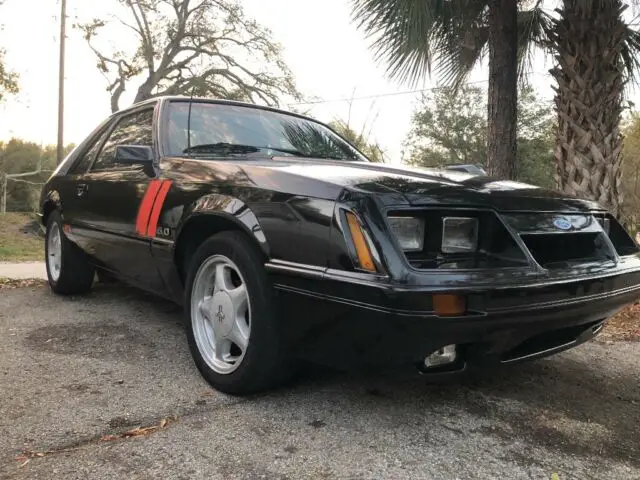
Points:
[[117, 199], [71, 187]]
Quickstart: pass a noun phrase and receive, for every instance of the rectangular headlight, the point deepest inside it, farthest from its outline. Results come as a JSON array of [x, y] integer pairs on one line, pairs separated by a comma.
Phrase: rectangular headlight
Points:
[[459, 234], [409, 231]]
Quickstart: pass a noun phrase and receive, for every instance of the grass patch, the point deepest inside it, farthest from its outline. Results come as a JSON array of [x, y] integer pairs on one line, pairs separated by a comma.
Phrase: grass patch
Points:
[[20, 238]]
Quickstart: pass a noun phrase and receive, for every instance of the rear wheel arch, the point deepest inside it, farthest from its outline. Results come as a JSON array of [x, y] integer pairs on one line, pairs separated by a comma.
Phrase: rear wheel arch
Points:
[[200, 227], [68, 268], [48, 208]]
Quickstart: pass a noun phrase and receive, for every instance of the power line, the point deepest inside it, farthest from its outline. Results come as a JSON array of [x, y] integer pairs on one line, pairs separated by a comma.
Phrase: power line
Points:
[[378, 95], [390, 94]]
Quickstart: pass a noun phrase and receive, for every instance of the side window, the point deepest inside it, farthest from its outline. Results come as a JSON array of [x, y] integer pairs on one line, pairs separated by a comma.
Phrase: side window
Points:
[[88, 156], [134, 129]]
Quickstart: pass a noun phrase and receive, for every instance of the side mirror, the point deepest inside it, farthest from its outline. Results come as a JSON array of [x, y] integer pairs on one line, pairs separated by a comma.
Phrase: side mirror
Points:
[[134, 154]]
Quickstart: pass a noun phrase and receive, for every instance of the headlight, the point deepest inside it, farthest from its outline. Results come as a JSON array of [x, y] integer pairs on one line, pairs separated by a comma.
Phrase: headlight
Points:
[[409, 231], [459, 234]]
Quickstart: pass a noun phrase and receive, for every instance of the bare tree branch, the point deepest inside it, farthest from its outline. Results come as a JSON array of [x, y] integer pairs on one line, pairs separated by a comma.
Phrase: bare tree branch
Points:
[[145, 34], [206, 46]]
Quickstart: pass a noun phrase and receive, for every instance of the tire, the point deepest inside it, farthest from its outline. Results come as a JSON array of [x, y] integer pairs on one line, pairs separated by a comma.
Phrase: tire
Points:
[[263, 364], [72, 274]]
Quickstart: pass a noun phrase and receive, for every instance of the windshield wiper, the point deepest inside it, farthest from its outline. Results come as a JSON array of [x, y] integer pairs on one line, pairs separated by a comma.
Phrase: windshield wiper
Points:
[[221, 147], [238, 148], [291, 151], [328, 157], [298, 153]]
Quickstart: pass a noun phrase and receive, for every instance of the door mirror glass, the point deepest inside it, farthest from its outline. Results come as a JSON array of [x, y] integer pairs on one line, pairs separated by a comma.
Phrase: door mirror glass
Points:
[[134, 154]]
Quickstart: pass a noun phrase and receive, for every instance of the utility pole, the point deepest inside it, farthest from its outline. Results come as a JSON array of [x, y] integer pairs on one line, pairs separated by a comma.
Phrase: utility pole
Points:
[[3, 199], [63, 19]]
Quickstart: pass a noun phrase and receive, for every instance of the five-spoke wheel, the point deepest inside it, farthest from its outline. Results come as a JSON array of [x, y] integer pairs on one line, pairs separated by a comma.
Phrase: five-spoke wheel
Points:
[[54, 251], [221, 314], [232, 326]]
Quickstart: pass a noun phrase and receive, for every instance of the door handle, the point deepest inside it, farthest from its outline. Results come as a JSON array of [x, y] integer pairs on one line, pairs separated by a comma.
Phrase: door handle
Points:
[[81, 189]]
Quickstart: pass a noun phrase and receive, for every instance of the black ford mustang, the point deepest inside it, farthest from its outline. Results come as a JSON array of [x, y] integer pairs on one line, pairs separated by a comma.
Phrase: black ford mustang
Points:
[[282, 241]]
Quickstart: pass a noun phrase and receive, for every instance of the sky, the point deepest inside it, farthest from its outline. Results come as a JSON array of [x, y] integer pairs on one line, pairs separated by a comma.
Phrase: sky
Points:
[[327, 54]]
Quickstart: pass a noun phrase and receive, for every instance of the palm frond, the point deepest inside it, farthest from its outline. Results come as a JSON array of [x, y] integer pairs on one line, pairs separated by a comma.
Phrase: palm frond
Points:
[[458, 56], [630, 56], [409, 35], [534, 27]]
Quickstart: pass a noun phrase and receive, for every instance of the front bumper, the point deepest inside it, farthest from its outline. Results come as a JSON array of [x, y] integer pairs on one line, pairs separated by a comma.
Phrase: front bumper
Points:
[[349, 320]]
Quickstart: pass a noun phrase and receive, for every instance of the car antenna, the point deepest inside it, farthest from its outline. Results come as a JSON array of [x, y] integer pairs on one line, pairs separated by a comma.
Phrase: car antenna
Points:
[[189, 121]]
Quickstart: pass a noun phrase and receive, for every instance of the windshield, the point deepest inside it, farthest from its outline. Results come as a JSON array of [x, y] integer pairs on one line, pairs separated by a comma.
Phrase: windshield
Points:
[[218, 125]]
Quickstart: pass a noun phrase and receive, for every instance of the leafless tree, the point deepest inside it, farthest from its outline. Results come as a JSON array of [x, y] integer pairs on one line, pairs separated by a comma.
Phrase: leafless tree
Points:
[[205, 47]]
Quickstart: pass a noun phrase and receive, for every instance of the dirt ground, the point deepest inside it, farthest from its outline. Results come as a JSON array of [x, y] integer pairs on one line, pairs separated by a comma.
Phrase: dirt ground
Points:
[[103, 386]]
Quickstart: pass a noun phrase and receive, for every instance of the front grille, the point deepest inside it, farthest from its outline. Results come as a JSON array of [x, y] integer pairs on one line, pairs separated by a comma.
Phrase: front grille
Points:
[[585, 238], [558, 250]]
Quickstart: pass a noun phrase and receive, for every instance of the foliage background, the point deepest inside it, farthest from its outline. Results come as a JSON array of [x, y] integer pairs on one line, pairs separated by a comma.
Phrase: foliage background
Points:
[[450, 127], [18, 156]]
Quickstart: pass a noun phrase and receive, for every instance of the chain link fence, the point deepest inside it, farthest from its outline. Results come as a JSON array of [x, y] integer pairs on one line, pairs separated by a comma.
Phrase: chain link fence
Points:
[[20, 194], [24, 168]]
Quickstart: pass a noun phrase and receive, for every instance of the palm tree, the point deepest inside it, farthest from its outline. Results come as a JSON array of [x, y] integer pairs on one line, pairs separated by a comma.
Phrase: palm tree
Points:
[[596, 53], [411, 35], [595, 49]]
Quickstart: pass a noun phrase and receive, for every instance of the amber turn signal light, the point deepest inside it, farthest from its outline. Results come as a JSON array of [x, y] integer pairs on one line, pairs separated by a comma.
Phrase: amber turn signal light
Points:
[[362, 250], [449, 305]]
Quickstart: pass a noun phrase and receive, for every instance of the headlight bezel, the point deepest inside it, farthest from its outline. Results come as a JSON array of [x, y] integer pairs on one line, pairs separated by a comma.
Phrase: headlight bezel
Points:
[[496, 248]]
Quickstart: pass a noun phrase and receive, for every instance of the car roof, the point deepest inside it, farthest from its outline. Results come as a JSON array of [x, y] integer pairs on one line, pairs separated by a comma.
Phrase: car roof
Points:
[[183, 98]]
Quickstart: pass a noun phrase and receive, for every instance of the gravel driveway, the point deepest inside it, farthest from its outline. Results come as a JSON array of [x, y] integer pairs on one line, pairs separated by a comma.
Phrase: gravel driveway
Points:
[[77, 373]]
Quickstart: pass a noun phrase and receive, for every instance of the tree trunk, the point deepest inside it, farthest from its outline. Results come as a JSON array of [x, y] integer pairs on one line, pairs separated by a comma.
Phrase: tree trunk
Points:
[[503, 89], [588, 38], [145, 90], [116, 93]]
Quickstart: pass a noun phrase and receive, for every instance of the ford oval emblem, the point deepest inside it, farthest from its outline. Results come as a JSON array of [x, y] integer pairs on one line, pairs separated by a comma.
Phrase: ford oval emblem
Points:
[[562, 223]]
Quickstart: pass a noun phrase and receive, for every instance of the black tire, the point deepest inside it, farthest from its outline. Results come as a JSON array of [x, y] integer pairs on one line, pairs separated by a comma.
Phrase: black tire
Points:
[[76, 273], [265, 364]]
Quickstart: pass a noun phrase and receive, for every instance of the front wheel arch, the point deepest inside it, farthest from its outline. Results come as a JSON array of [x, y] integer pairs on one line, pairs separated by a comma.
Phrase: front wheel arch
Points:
[[200, 227]]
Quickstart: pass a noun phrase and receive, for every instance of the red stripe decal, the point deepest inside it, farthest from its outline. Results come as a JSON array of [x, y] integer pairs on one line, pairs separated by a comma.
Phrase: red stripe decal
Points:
[[157, 208], [145, 207]]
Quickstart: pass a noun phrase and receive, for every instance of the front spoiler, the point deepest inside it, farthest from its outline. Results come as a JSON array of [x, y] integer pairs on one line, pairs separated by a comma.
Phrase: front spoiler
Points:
[[370, 326]]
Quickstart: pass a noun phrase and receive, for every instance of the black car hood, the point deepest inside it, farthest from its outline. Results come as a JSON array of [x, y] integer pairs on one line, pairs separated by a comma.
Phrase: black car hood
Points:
[[430, 186]]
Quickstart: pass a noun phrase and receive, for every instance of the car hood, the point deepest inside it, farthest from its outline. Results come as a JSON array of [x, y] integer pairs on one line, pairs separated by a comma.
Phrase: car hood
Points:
[[417, 186]]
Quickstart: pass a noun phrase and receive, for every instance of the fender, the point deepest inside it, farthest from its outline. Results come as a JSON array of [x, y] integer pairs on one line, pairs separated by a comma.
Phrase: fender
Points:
[[49, 201], [227, 209]]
